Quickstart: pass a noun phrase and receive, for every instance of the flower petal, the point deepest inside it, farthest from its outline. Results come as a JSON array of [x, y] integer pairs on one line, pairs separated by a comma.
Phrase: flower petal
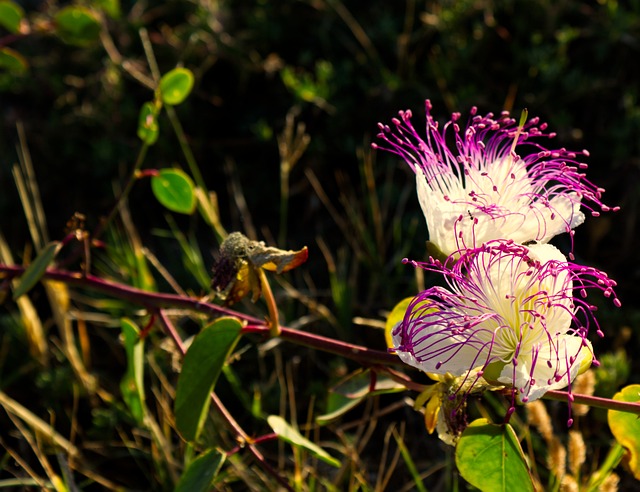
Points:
[[556, 365]]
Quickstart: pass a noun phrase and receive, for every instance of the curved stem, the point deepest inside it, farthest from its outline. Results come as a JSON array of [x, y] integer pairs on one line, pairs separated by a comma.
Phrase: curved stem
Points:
[[156, 300], [358, 353], [593, 401], [274, 323]]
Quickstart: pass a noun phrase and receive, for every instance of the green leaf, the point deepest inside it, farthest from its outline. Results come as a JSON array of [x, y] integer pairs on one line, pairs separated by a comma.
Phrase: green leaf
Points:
[[110, 7], [148, 129], [132, 385], [293, 437], [175, 190], [12, 61], [358, 384], [176, 85], [352, 390], [197, 477], [625, 426], [202, 366], [490, 457], [77, 25], [36, 269], [337, 405], [10, 16]]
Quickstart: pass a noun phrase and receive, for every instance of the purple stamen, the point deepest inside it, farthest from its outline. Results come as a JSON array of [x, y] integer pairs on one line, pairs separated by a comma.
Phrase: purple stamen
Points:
[[519, 187]]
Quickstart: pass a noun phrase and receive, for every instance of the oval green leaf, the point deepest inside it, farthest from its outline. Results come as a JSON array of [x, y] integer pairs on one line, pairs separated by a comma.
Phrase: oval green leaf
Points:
[[490, 457], [200, 472], [176, 85], [132, 384], [148, 129], [202, 365], [293, 437], [36, 269], [77, 25], [625, 426], [10, 16], [12, 61], [175, 190]]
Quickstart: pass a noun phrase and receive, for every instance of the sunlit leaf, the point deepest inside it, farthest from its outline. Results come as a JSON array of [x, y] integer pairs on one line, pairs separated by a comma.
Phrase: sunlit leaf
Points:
[[175, 190], [77, 25], [198, 475], [625, 426], [395, 317], [202, 365], [36, 269], [148, 129], [176, 85], [132, 385], [10, 16], [490, 458], [293, 437]]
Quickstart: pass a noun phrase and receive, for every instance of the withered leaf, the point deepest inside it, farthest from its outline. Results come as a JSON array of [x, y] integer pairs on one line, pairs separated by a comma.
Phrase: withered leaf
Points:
[[235, 273]]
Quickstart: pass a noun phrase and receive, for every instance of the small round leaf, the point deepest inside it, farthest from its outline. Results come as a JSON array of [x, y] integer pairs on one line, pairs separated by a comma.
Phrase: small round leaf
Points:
[[176, 85], [148, 129], [10, 16], [77, 25], [175, 190]]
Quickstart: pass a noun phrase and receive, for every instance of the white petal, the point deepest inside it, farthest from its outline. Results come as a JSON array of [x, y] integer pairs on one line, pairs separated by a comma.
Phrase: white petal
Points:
[[546, 378], [546, 252], [540, 225], [455, 356]]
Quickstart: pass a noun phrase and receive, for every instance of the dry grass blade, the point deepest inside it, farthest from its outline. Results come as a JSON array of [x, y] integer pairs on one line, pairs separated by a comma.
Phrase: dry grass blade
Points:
[[24, 177], [45, 430], [31, 321], [58, 294]]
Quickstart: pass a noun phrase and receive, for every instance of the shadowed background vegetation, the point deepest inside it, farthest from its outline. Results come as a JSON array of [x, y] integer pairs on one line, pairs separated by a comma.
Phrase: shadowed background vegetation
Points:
[[267, 74]]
